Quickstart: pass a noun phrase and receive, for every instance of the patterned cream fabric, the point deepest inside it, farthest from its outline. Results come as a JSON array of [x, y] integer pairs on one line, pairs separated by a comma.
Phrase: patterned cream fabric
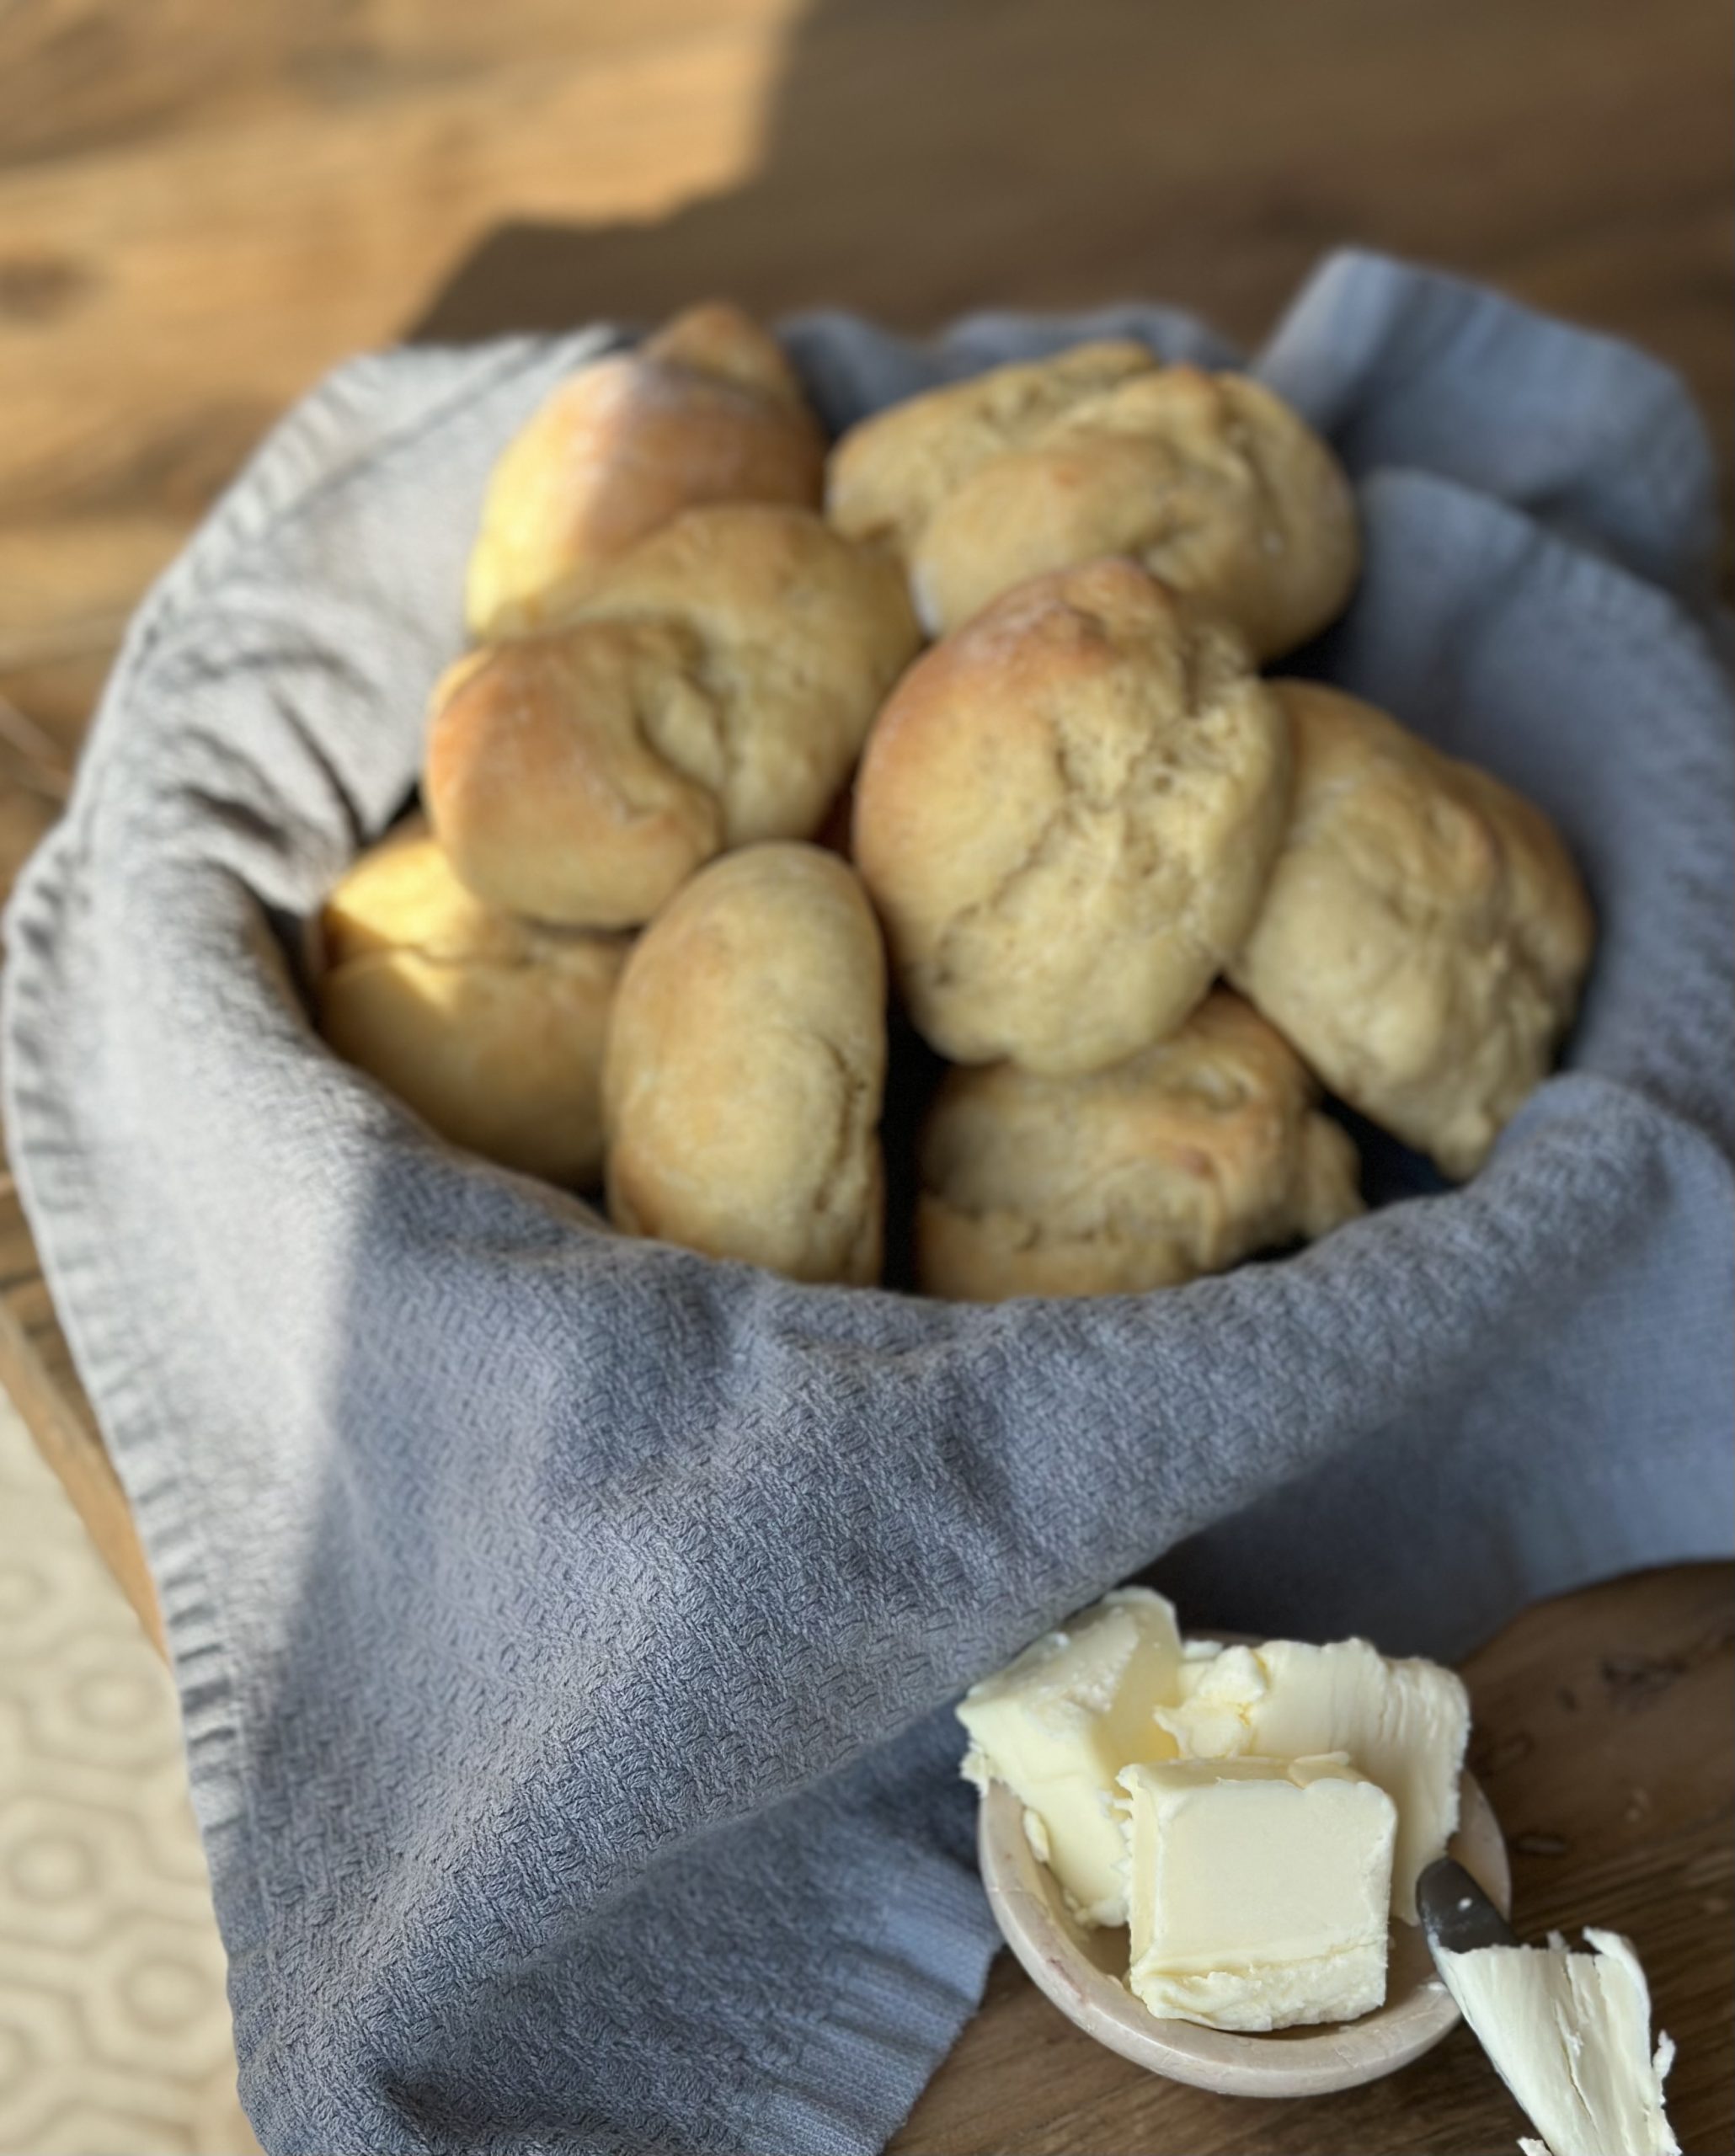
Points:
[[115, 2036]]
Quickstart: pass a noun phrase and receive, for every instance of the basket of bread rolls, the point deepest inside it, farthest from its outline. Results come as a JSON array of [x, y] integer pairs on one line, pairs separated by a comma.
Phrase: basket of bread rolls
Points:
[[916, 858]]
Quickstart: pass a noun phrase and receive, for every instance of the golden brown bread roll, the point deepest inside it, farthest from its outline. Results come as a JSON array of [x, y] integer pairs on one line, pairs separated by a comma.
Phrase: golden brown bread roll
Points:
[[1183, 1160], [545, 782], [1065, 814], [490, 1028], [801, 634], [1209, 480], [746, 1068], [713, 690], [888, 473], [1424, 935], [708, 410]]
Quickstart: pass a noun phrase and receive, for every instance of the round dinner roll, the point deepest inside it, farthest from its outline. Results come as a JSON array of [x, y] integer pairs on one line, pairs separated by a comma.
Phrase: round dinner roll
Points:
[[707, 410], [1183, 1160], [545, 782], [1424, 935], [713, 690], [801, 636], [888, 473], [1065, 814], [489, 1027], [745, 1069], [1210, 481]]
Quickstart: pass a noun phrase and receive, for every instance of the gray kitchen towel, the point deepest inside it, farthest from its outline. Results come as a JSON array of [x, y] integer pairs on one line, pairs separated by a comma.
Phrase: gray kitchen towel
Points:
[[564, 1625]]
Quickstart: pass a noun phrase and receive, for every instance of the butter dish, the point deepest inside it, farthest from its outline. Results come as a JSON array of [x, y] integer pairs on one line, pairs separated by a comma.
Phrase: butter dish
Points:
[[1078, 1969]]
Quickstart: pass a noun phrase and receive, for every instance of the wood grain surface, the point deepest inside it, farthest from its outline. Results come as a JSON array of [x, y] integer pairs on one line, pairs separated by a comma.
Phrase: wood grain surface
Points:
[[203, 206]]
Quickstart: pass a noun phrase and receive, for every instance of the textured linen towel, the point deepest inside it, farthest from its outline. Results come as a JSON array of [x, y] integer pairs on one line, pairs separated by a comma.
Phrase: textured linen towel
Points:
[[565, 1625]]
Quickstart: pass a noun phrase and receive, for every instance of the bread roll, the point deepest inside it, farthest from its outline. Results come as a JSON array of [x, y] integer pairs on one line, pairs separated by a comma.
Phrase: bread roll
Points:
[[889, 473], [1424, 935], [1183, 1160], [708, 410], [746, 1068], [490, 1028], [713, 690], [1209, 480], [801, 636], [545, 782], [1065, 814]]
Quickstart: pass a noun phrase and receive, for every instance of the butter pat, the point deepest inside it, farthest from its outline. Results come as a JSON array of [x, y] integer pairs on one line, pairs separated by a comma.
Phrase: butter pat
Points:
[[1570, 2035], [1260, 1892], [1405, 1724], [1058, 1724]]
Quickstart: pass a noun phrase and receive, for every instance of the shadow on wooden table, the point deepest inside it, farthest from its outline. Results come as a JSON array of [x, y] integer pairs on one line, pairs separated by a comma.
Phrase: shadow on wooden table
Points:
[[923, 158], [903, 174], [920, 158]]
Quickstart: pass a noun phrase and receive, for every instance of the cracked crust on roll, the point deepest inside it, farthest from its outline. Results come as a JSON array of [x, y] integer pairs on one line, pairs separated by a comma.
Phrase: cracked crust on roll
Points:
[[804, 635], [889, 473], [1424, 935], [491, 1028], [713, 689], [1181, 1161], [1209, 480], [746, 1067], [707, 410], [1065, 814]]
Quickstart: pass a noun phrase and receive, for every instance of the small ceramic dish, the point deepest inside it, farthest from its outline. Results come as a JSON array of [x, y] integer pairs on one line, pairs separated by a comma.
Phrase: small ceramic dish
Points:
[[1081, 1971]]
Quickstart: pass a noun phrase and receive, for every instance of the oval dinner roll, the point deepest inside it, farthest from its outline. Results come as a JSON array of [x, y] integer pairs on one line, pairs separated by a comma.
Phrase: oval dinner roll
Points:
[[1065, 814], [1424, 935], [708, 410], [490, 1028], [746, 1068], [1181, 1161], [713, 689], [1209, 480]]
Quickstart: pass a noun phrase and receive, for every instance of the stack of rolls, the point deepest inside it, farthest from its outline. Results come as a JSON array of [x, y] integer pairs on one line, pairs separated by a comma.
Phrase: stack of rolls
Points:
[[1144, 900], [675, 657]]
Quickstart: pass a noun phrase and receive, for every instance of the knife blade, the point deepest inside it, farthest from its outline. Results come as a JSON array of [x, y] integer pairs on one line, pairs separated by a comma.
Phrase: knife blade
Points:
[[1456, 1914]]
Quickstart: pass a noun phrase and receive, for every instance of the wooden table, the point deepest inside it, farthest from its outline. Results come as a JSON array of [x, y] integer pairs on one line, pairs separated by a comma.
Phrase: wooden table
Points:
[[202, 206]]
